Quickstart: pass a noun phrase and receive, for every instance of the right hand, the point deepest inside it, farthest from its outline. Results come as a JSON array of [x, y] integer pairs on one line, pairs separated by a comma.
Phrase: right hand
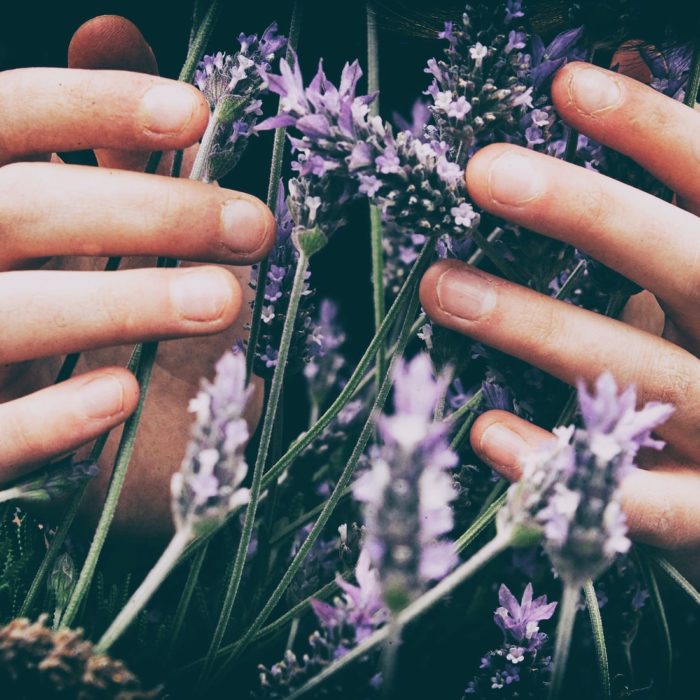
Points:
[[52, 304]]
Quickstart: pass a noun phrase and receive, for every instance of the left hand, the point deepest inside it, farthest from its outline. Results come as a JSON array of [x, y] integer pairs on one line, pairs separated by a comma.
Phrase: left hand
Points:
[[649, 241]]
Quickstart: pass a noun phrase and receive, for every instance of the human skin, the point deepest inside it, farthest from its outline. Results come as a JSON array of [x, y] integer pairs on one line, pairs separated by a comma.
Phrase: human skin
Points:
[[59, 221], [654, 243]]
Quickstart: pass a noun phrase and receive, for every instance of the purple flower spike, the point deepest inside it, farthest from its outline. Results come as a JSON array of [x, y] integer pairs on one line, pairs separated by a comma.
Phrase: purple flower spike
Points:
[[207, 486], [521, 656], [569, 490], [408, 489]]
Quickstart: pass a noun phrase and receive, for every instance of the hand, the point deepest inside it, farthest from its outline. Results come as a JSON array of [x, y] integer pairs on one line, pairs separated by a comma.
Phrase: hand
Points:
[[646, 239], [52, 304]]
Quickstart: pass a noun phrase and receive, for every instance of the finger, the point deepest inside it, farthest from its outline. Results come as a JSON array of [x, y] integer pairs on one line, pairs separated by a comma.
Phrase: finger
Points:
[[633, 232], [47, 209], [59, 312], [566, 341], [54, 109], [661, 134], [660, 505], [110, 42], [63, 417]]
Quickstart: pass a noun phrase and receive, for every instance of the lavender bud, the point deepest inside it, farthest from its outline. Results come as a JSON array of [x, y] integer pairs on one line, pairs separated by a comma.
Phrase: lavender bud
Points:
[[408, 490], [207, 486]]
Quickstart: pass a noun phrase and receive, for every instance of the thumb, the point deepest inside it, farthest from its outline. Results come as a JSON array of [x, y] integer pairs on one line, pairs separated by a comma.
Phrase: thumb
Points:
[[110, 42]]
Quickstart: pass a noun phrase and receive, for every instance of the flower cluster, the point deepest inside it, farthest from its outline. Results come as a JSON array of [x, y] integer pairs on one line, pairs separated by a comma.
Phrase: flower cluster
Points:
[[412, 181], [207, 486], [234, 86], [520, 659], [570, 486], [278, 286], [407, 490], [344, 624]]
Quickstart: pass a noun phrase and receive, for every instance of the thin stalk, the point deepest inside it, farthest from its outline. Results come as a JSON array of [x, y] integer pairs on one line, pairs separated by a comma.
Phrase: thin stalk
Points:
[[301, 443], [199, 167], [374, 213], [598, 638], [411, 612], [657, 603], [336, 495], [504, 267], [691, 93], [565, 628], [256, 482], [272, 191], [145, 591], [185, 599], [147, 354], [677, 577], [480, 524], [390, 657], [199, 41]]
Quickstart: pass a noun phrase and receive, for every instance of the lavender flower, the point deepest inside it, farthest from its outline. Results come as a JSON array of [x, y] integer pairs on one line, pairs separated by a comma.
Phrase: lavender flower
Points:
[[52, 483], [519, 660], [207, 486], [407, 490], [233, 86], [570, 487], [278, 286], [413, 182], [344, 623]]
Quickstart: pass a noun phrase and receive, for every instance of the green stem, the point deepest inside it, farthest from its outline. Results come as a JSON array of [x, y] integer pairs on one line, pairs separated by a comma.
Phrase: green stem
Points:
[[374, 212], [340, 487], [199, 167], [185, 599], [362, 367], [146, 355], [565, 628], [145, 591], [677, 577], [200, 41], [598, 638], [447, 586], [256, 483], [691, 93], [481, 522], [390, 657], [272, 192], [657, 603]]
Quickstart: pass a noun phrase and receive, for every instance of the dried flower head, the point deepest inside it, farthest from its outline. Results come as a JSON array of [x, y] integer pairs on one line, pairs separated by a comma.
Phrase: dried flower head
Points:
[[36, 662]]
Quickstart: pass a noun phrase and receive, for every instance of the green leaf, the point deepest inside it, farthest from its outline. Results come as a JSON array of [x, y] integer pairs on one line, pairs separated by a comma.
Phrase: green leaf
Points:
[[598, 637]]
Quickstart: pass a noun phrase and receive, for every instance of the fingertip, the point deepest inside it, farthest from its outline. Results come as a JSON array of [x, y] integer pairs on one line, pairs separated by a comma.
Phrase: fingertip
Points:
[[429, 283], [561, 86], [111, 42], [129, 385], [478, 171]]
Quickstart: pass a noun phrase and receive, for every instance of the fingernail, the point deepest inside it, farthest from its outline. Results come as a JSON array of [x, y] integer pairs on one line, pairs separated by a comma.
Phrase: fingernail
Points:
[[593, 92], [514, 179], [167, 109], [200, 295], [244, 226], [103, 397], [463, 292], [502, 446]]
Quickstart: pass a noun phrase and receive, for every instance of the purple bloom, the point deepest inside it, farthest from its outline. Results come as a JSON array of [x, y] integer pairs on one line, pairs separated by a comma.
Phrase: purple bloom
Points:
[[412, 181], [520, 658], [408, 489], [233, 86], [207, 486], [570, 486]]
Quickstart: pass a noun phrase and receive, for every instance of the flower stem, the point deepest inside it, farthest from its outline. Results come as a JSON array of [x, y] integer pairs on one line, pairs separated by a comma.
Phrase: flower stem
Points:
[[677, 577], [362, 367], [256, 483], [565, 628], [374, 212], [145, 591], [199, 41], [691, 92], [336, 495], [598, 637], [146, 354], [185, 599], [411, 612], [272, 192]]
